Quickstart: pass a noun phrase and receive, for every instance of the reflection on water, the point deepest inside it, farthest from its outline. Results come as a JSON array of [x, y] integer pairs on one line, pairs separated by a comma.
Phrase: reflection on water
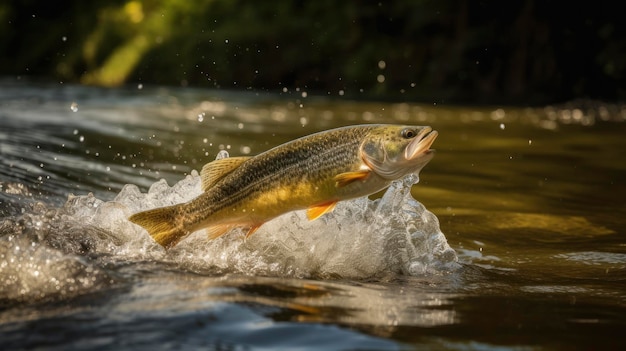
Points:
[[530, 199]]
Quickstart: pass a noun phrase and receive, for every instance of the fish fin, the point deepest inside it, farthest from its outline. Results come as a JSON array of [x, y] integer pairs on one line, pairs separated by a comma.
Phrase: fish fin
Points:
[[253, 229], [346, 178], [215, 231], [162, 225], [314, 212], [213, 171]]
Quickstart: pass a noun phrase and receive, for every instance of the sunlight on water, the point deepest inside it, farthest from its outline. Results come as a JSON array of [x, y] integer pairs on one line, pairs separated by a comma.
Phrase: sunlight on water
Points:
[[529, 198], [61, 251]]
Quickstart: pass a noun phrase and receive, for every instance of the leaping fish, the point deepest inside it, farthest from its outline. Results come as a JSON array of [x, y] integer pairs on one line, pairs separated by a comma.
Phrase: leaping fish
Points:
[[313, 173]]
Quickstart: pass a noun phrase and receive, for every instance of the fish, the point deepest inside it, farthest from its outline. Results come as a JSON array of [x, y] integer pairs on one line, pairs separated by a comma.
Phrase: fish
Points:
[[311, 173]]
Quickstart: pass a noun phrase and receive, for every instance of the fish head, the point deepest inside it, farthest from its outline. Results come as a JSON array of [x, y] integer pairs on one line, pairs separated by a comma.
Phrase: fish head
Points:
[[393, 151]]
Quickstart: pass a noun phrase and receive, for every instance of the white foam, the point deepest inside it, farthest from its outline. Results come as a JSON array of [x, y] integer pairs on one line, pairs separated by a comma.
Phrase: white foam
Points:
[[361, 239]]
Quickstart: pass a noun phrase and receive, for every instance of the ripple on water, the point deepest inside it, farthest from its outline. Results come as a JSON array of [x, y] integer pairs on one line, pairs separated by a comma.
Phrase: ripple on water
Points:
[[595, 258]]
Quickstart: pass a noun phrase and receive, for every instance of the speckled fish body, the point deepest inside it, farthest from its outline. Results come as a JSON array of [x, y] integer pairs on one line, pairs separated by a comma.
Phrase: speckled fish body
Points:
[[313, 173]]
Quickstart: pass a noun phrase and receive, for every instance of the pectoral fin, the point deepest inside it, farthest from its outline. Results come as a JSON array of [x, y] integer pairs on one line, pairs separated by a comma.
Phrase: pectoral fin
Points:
[[315, 212], [346, 178], [213, 171]]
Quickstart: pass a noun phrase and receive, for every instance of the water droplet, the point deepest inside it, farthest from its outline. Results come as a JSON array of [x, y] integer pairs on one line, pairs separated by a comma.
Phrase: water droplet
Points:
[[139, 86], [222, 154], [74, 107], [64, 38], [382, 64], [81, 138], [240, 125], [380, 78], [502, 126]]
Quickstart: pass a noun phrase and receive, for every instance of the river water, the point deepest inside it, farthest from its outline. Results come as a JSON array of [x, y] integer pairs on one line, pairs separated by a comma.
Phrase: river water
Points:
[[514, 237]]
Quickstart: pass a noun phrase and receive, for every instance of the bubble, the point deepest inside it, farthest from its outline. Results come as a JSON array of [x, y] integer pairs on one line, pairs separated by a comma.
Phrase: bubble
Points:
[[74, 107]]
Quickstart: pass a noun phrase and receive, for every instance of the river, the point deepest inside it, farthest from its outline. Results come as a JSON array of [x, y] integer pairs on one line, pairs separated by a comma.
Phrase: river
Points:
[[513, 239]]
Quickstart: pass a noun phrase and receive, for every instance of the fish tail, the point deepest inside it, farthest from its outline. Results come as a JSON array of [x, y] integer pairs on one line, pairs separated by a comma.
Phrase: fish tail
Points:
[[163, 224]]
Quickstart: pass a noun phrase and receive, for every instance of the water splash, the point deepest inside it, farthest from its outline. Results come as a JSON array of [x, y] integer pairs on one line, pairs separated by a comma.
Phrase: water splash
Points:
[[77, 247]]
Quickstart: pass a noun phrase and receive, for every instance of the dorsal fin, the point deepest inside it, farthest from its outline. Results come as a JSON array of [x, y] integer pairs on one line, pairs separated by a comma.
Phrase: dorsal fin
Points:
[[213, 171]]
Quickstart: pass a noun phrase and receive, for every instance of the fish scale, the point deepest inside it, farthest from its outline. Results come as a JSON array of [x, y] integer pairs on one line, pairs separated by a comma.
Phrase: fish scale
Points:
[[285, 165], [313, 173]]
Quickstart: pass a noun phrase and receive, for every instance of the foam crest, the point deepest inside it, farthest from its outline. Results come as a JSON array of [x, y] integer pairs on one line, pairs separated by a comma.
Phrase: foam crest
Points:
[[77, 247]]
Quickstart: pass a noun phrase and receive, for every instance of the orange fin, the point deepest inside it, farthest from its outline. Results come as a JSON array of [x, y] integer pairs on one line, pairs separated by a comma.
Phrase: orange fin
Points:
[[316, 211], [216, 231], [253, 229], [213, 171], [346, 178]]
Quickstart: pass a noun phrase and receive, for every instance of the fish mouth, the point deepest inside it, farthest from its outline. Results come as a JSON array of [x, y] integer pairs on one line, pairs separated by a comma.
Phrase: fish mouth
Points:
[[421, 144]]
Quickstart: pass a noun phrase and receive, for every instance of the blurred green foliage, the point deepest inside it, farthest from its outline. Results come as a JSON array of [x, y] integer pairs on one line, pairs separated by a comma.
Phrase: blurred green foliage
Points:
[[464, 51]]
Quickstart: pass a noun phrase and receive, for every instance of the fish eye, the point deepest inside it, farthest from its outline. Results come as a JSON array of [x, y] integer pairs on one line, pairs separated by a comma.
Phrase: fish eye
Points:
[[408, 133]]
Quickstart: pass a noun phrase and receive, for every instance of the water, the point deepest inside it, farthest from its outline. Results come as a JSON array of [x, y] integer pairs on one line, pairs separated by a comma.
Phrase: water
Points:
[[516, 239]]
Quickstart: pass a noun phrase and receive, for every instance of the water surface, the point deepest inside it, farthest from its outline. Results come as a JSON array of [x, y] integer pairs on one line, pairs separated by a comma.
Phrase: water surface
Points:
[[516, 239]]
